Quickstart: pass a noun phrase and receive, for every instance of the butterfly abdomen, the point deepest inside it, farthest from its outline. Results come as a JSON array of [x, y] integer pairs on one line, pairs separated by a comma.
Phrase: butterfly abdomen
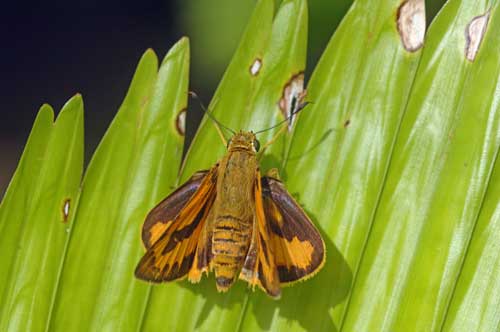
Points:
[[230, 241], [233, 215]]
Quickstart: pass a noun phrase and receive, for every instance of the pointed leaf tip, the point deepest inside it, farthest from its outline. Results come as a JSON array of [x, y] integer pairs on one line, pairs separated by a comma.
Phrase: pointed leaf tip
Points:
[[72, 109], [182, 46], [150, 57], [74, 102]]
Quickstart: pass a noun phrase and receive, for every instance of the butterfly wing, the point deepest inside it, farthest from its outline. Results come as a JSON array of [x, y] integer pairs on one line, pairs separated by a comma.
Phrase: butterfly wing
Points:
[[259, 267], [297, 246], [162, 215], [174, 237]]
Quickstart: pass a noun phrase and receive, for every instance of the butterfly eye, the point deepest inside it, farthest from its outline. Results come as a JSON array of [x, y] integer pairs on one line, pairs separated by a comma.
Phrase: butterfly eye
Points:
[[256, 145]]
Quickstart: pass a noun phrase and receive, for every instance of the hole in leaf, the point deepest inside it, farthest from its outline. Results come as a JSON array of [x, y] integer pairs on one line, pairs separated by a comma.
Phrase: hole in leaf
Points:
[[65, 210], [411, 24], [474, 34], [180, 122], [292, 97], [255, 67]]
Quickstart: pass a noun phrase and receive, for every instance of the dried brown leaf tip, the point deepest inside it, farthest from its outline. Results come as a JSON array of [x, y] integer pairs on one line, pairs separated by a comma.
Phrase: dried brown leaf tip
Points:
[[65, 210], [474, 34], [255, 67], [411, 24], [180, 122], [292, 97]]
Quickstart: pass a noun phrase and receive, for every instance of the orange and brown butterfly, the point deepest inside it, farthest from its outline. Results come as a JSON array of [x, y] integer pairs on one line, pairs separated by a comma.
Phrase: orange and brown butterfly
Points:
[[234, 222]]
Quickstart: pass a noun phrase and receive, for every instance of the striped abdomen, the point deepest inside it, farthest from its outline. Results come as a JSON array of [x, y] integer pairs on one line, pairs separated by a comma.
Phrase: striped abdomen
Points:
[[230, 242]]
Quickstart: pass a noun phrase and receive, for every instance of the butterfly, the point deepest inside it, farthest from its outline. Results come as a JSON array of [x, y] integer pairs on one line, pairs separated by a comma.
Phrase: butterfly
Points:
[[234, 222]]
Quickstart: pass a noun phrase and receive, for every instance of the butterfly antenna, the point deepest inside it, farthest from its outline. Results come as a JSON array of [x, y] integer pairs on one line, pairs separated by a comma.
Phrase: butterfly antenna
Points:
[[296, 110], [216, 122], [282, 130]]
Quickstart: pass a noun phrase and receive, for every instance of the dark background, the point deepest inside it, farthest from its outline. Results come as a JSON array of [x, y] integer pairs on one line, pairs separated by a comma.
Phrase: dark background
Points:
[[51, 50]]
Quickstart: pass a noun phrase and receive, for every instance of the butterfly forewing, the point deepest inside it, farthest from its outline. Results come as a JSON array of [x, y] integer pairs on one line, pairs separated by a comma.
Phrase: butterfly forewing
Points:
[[161, 217], [171, 256]]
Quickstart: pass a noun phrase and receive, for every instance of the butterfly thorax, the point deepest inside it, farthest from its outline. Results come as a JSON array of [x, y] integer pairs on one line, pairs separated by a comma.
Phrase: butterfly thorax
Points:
[[233, 213]]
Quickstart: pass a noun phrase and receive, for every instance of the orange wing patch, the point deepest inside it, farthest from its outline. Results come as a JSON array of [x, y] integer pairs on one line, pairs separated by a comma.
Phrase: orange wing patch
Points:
[[157, 230]]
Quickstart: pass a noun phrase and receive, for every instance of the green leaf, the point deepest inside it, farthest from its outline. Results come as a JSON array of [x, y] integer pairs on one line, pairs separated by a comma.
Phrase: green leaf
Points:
[[247, 101], [230, 108], [340, 152], [475, 303], [476, 300], [433, 193], [135, 165], [34, 224]]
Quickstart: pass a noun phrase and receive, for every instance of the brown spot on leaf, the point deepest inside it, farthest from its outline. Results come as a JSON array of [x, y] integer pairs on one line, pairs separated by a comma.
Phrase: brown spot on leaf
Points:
[[180, 122], [411, 24], [292, 97], [474, 34], [65, 210], [347, 123]]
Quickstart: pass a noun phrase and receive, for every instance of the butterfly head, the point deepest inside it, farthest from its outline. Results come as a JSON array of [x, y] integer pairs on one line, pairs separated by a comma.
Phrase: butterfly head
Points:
[[244, 141]]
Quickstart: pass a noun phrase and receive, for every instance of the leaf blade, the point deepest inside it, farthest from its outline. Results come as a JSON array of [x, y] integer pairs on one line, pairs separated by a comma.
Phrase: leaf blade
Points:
[[422, 228], [131, 159], [28, 302]]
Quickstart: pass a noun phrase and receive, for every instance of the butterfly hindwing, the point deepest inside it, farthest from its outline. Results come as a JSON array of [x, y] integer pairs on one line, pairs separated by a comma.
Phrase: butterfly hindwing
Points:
[[259, 267], [172, 250], [297, 246]]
